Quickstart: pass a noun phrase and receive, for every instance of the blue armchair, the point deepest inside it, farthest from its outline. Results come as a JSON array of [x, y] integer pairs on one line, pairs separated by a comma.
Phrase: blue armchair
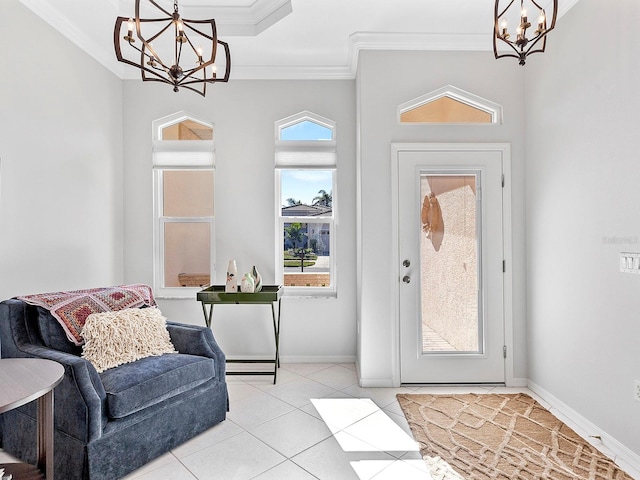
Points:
[[111, 423]]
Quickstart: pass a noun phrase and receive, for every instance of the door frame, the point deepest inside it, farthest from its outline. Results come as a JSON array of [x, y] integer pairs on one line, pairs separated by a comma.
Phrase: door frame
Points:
[[505, 150]]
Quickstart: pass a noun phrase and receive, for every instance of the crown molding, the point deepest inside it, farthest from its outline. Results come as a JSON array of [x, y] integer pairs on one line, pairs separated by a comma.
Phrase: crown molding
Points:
[[231, 20], [565, 5], [253, 19], [414, 41], [51, 15], [291, 72]]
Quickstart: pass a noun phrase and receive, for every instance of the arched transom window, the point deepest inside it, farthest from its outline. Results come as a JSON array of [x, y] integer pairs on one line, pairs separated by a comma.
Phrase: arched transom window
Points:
[[450, 105]]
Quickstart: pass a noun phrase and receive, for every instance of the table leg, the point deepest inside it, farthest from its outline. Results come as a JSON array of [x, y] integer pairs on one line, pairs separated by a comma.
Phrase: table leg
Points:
[[278, 336], [276, 332], [45, 434], [207, 315]]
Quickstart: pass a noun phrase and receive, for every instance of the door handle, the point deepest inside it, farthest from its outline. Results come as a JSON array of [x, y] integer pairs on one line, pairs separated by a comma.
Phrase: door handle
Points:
[[406, 279]]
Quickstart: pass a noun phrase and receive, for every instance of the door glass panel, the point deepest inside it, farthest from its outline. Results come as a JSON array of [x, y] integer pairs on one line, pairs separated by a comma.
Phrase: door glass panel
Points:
[[451, 317]]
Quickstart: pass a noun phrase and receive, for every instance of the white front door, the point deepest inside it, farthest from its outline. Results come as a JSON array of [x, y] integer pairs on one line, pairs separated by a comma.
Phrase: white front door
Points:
[[450, 263]]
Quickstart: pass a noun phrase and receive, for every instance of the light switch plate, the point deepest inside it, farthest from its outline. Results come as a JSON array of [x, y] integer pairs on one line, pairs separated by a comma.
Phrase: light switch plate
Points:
[[630, 262]]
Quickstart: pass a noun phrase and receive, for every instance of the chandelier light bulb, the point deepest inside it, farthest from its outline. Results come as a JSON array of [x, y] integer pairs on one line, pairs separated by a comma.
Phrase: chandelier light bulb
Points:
[[504, 33], [129, 36], [541, 20]]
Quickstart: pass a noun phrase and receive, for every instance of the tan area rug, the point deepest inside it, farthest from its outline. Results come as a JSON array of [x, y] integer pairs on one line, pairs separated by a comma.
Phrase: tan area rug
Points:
[[501, 436]]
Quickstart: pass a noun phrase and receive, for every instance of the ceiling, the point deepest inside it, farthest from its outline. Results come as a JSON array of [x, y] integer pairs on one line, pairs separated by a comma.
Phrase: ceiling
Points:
[[293, 39]]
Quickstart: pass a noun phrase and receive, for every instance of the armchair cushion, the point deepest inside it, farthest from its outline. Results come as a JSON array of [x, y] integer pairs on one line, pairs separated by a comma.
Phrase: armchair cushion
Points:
[[135, 386], [114, 338], [53, 335]]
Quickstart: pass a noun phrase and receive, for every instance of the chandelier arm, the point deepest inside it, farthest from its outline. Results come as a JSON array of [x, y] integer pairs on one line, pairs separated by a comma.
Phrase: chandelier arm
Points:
[[536, 4], [147, 42], [119, 56], [163, 80], [144, 54], [225, 78], [541, 49], [187, 23], [503, 11], [513, 46], [155, 20], [152, 2], [227, 72], [213, 38], [178, 52], [190, 44]]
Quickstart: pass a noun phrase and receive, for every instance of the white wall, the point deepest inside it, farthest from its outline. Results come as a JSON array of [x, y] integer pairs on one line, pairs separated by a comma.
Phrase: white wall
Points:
[[583, 209], [244, 113], [60, 162], [386, 80]]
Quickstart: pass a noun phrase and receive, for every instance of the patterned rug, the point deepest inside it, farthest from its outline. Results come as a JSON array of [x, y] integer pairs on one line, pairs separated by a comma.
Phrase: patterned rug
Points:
[[502, 436], [72, 308]]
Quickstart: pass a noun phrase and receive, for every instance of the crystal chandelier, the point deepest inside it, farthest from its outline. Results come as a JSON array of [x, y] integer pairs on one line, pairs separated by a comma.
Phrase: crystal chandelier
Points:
[[172, 49], [525, 41]]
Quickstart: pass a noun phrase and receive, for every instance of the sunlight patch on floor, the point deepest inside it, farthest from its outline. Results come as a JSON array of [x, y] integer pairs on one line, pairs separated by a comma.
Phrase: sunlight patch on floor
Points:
[[359, 425]]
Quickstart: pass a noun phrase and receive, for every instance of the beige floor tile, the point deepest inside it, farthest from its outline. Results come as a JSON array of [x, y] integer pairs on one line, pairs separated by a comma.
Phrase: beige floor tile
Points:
[[285, 471], [292, 433], [240, 457]]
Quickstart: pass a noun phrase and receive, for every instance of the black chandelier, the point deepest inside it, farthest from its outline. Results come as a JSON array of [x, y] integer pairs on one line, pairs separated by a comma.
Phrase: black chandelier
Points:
[[522, 44], [172, 50]]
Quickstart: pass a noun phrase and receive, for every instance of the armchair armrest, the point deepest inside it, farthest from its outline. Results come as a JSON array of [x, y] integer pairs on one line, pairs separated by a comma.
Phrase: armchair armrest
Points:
[[195, 340], [80, 395]]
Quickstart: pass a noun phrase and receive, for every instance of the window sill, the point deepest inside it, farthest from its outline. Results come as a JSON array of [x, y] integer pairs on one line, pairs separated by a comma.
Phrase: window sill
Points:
[[309, 293]]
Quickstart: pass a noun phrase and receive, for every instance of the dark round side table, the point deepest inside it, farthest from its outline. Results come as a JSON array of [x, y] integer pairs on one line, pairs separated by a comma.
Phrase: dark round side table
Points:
[[23, 380]]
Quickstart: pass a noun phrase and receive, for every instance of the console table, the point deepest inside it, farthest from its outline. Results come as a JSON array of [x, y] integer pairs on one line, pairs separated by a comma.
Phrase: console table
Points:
[[269, 295], [23, 380]]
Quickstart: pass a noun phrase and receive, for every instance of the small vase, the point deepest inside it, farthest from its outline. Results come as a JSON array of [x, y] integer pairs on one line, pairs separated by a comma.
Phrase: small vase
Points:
[[247, 285], [257, 279], [232, 278]]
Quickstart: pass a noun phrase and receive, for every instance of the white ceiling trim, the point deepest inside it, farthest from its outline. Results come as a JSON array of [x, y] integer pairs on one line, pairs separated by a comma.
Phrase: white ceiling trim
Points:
[[564, 6], [57, 20], [363, 41], [263, 14], [239, 21], [414, 41], [290, 72]]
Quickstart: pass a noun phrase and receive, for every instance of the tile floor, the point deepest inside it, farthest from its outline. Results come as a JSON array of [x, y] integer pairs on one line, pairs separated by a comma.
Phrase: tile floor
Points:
[[315, 423]]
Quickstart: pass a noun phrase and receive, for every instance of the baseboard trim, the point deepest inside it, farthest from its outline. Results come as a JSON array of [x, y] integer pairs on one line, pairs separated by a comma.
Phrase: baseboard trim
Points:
[[623, 456], [518, 382], [376, 383]]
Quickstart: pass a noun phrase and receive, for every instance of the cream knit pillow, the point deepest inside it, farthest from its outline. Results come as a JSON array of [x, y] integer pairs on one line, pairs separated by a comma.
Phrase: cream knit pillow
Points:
[[122, 336]]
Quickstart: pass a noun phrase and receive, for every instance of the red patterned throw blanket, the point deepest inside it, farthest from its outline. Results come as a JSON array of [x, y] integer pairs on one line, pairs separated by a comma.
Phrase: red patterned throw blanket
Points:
[[72, 308]]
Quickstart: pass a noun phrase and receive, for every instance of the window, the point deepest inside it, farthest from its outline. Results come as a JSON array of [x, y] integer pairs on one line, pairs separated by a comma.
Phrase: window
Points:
[[450, 105], [183, 165], [306, 204]]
